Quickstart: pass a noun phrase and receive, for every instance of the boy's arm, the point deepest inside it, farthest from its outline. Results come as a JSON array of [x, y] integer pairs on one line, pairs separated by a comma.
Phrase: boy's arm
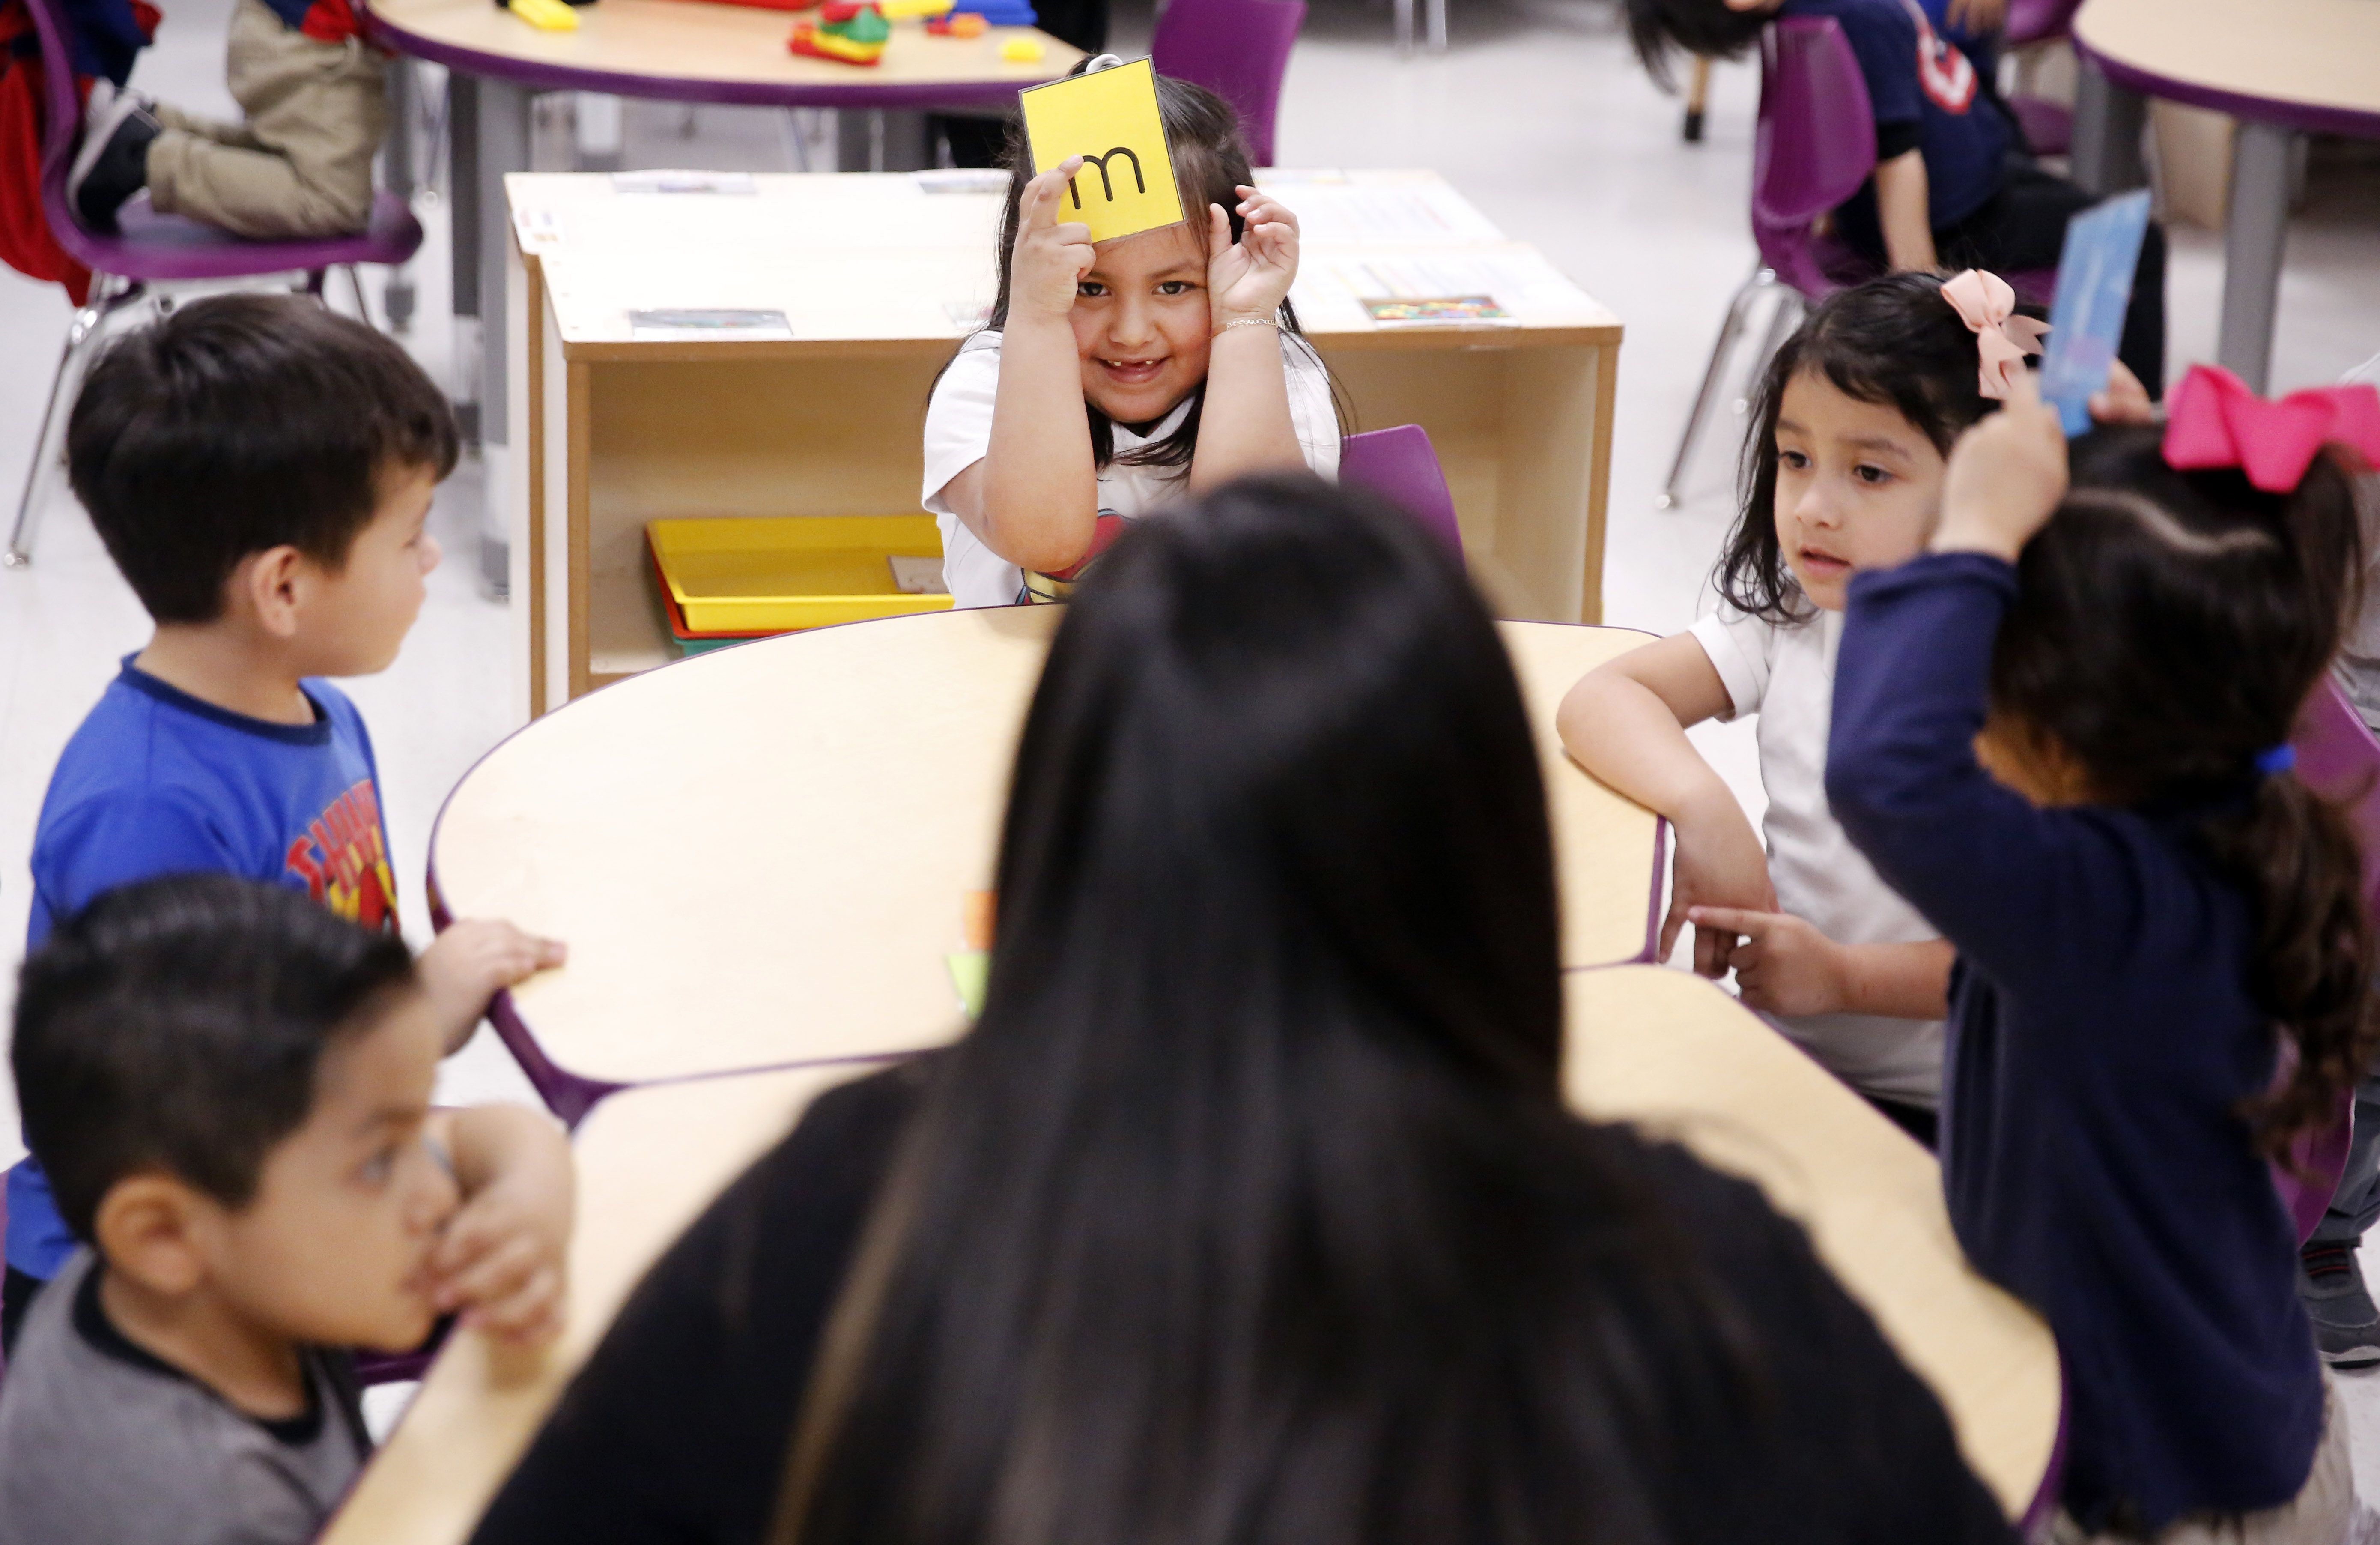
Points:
[[1786, 965], [1034, 498], [471, 962], [1900, 210], [1625, 722], [1245, 425], [503, 1258]]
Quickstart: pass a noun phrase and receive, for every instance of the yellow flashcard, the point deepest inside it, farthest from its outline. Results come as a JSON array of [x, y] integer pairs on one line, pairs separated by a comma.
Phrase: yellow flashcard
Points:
[[1110, 119]]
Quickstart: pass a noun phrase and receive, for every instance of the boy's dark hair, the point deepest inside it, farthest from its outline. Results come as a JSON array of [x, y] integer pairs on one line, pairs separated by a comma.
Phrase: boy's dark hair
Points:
[[2168, 629], [243, 422], [1210, 164], [1892, 341], [1707, 28], [178, 1025]]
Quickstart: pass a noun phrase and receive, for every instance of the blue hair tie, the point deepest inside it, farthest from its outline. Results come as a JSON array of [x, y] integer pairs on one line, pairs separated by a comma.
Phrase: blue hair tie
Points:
[[2281, 759]]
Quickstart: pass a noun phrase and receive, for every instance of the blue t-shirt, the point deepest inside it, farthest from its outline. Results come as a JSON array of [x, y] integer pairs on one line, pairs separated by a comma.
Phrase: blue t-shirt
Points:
[[1929, 88], [157, 782]]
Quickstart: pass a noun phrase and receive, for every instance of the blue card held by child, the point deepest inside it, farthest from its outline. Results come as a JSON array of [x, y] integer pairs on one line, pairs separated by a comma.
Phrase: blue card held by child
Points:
[[2095, 286]]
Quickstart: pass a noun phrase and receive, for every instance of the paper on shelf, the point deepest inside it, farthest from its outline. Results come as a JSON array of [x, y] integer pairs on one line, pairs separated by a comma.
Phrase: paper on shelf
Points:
[[679, 326], [1519, 279], [536, 228], [962, 179], [683, 182]]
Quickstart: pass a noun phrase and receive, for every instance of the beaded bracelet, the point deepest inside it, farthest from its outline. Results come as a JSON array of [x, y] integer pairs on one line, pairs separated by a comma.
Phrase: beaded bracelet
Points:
[[1244, 321]]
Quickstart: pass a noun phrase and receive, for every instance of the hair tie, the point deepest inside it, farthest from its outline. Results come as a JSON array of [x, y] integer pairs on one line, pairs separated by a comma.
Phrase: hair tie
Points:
[[2215, 422], [2279, 759], [1987, 304]]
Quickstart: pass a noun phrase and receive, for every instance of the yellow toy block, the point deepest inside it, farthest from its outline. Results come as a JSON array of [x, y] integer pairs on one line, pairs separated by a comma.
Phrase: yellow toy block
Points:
[[546, 16], [904, 11], [1022, 51]]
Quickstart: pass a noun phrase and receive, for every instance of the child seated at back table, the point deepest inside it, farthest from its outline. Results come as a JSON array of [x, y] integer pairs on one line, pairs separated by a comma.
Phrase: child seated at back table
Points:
[[259, 469], [230, 1091], [1842, 472], [1114, 377], [1955, 184], [299, 164], [2063, 734]]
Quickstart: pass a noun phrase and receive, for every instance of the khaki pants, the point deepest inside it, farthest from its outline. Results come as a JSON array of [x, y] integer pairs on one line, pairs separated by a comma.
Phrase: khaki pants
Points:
[[302, 165], [2324, 1512]]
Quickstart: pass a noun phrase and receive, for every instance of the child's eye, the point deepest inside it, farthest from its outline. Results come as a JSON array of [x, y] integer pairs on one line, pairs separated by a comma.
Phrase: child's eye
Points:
[[1794, 460], [1871, 475], [1090, 289], [376, 1170], [1175, 287]]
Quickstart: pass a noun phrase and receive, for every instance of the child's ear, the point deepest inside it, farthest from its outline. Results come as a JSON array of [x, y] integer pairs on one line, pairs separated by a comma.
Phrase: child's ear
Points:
[[271, 585], [148, 1229]]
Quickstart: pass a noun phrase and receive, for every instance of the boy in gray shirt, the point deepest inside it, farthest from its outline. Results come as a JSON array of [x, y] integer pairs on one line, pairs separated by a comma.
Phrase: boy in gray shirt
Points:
[[229, 1089]]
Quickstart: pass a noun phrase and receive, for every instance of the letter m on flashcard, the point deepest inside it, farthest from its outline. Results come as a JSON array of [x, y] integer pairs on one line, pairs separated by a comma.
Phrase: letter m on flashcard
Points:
[[1106, 117]]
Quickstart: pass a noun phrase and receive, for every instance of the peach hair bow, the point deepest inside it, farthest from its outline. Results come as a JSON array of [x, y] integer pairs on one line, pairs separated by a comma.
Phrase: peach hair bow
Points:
[[2215, 420], [1987, 304]]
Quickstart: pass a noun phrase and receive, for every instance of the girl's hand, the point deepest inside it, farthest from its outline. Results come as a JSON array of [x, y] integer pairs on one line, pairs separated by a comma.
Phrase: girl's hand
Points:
[[1784, 965], [1049, 259], [2006, 476], [1250, 277], [1721, 863], [2123, 400]]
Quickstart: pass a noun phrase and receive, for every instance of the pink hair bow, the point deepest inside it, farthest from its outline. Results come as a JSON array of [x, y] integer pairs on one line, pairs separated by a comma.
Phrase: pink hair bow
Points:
[[1987, 304], [2215, 420]]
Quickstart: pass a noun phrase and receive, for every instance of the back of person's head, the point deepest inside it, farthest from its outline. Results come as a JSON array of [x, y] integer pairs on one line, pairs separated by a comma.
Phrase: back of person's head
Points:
[[1894, 341], [177, 1026], [2168, 631], [1249, 1209], [240, 423], [1707, 29], [1210, 164]]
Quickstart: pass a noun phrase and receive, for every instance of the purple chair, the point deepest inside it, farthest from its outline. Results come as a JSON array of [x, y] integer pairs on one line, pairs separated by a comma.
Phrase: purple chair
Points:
[[152, 251], [1399, 465], [2048, 126], [1813, 146], [1237, 49]]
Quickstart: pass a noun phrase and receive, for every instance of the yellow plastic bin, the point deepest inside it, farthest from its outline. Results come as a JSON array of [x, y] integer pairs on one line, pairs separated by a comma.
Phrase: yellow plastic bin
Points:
[[729, 579]]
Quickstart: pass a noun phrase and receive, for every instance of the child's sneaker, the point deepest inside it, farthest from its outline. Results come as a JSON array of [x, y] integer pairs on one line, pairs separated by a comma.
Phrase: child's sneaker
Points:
[[113, 164], [2346, 1322]]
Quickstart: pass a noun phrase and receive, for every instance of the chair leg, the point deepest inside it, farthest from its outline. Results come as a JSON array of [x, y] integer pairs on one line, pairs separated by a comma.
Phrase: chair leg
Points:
[[83, 335], [1781, 322], [1405, 27], [356, 288], [1729, 332]]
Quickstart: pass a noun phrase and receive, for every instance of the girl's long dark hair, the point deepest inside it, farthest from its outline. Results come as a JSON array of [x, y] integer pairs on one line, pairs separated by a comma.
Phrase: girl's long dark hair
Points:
[[1249, 1211], [1210, 164], [1892, 341], [2169, 626]]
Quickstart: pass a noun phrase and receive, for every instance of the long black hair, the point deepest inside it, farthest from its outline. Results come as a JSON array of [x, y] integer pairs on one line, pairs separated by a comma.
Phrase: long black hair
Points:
[[1211, 166], [1892, 341], [1250, 1212], [2168, 628]]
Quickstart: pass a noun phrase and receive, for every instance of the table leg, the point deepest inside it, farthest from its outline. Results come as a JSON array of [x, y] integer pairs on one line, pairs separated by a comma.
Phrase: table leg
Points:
[[1404, 26], [2108, 121], [397, 171], [501, 144], [462, 208], [2254, 232], [875, 140], [1437, 26]]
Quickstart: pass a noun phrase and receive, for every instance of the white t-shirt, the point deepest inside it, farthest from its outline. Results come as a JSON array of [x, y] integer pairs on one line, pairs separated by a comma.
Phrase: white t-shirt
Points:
[[1786, 675], [958, 433]]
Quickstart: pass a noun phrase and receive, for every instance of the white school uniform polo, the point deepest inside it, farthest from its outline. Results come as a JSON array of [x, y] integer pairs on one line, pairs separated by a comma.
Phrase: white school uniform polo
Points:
[[1786, 675], [958, 434]]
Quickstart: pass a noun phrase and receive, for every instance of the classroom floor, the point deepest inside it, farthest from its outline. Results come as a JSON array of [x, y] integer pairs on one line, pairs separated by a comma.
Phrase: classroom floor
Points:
[[1538, 113]]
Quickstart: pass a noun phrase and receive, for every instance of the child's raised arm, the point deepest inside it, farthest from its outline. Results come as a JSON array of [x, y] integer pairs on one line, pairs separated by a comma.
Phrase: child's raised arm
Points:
[[502, 1259], [1245, 425], [1034, 498], [1625, 722]]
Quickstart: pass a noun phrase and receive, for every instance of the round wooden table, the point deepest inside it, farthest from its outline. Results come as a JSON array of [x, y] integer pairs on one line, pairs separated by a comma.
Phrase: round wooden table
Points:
[[761, 857]]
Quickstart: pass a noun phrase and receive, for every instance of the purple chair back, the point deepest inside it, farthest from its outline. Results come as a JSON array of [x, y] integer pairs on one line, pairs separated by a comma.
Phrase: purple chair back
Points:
[[1237, 49], [1399, 465], [2032, 22], [151, 247], [2338, 758], [1814, 147]]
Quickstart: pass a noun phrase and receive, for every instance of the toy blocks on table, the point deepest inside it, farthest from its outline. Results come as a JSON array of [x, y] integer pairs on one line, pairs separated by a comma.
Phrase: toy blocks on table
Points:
[[905, 10], [853, 31], [1005, 13], [959, 24]]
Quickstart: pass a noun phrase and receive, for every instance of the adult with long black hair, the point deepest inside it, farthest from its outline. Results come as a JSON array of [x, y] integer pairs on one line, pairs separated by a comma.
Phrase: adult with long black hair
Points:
[[1250, 1212]]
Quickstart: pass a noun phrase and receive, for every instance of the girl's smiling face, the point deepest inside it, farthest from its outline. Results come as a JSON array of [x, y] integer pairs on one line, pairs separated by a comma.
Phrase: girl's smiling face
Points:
[[1858, 487], [1141, 323]]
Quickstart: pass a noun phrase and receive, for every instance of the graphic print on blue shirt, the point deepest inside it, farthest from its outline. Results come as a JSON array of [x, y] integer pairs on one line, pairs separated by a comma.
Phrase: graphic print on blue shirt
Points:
[[156, 782], [1927, 90]]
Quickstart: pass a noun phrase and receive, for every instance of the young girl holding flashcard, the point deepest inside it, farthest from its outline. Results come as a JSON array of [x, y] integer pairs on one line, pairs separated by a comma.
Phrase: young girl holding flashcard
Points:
[[1114, 377]]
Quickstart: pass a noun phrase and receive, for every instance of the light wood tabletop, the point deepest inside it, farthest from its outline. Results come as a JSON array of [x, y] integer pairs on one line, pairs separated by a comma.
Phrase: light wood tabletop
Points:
[[1672, 1053], [693, 50], [2264, 58], [1647, 1045], [761, 855], [650, 1160]]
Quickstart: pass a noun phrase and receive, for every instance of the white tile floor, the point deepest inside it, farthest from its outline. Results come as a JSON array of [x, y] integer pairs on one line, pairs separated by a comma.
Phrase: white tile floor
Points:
[[1536, 113]]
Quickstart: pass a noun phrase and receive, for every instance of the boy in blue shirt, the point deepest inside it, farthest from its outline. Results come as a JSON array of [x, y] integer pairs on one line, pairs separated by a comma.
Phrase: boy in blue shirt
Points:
[[1955, 186], [260, 470]]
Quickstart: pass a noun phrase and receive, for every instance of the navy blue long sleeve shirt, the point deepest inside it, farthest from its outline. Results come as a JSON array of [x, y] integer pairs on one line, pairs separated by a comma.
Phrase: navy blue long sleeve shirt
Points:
[[2101, 1040]]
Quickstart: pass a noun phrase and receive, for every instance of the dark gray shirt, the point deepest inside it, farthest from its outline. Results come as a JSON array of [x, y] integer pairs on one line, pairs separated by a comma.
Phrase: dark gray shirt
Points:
[[99, 1440]]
